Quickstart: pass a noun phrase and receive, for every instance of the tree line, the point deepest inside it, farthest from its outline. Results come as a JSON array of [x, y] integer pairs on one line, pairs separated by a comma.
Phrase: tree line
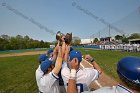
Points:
[[21, 42]]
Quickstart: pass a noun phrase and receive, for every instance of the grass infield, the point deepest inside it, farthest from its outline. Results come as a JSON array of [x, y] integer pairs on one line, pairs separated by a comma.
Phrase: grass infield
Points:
[[17, 74]]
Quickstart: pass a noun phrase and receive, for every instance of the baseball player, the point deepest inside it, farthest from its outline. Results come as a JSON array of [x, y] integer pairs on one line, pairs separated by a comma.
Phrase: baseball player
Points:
[[49, 81], [84, 76], [50, 53], [39, 72], [128, 71]]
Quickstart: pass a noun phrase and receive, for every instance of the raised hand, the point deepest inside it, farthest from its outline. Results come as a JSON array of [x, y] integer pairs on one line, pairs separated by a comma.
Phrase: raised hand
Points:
[[74, 64]]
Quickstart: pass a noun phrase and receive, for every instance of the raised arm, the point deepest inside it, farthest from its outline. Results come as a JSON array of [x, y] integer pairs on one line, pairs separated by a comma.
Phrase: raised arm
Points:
[[96, 66], [72, 80], [63, 45], [67, 50], [58, 62], [93, 62], [55, 52]]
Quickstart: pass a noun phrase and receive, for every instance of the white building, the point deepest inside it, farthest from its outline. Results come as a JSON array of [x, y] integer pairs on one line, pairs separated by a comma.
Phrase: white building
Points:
[[52, 46], [91, 40], [87, 41]]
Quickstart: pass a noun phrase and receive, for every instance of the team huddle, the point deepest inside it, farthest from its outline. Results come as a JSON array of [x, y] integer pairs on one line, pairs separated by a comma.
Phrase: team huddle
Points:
[[59, 72]]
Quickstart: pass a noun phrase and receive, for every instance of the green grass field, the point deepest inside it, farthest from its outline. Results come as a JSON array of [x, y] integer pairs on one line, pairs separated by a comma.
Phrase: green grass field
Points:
[[17, 74]]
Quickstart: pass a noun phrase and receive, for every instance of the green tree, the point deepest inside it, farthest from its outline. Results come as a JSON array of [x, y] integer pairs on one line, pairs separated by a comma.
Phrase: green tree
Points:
[[5, 37], [125, 40], [118, 37], [134, 36], [95, 40], [41, 44], [14, 43], [3, 42], [20, 42], [76, 41]]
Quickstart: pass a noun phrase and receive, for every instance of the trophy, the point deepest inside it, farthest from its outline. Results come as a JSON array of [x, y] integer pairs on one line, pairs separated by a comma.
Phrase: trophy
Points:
[[59, 36], [68, 37]]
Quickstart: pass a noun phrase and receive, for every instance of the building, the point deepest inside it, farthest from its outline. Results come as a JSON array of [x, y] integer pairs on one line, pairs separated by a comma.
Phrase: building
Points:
[[52, 46], [134, 41], [90, 41], [87, 41]]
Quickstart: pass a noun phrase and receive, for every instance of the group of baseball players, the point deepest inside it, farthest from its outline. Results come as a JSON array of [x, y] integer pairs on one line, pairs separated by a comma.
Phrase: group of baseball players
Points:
[[59, 72], [122, 47]]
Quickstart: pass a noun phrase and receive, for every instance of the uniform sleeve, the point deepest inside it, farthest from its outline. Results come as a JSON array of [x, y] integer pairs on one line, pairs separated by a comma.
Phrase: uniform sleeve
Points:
[[65, 73], [47, 81], [91, 75], [39, 74], [107, 90], [86, 92]]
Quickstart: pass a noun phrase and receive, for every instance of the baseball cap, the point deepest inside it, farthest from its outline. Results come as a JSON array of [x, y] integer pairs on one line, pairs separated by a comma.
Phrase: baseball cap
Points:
[[45, 65], [42, 57], [49, 51], [76, 54], [71, 48]]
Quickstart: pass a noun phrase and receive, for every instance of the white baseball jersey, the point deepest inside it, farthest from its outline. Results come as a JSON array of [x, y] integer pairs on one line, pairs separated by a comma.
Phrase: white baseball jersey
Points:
[[114, 89], [83, 79], [39, 74], [49, 83]]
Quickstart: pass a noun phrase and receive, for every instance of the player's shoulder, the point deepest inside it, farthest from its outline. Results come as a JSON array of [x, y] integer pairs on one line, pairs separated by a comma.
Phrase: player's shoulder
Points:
[[90, 70], [45, 78], [86, 71], [122, 89], [38, 70], [64, 65]]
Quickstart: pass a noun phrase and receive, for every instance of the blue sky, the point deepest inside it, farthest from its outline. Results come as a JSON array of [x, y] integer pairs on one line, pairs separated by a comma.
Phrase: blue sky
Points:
[[61, 15]]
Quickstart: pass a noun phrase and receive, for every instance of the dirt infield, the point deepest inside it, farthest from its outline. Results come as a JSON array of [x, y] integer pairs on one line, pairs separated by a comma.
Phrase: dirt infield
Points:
[[22, 54]]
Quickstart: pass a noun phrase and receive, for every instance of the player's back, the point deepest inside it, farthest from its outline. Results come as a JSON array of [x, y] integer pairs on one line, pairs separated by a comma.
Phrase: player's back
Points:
[[39, 73], [83, 79], [49, 83]]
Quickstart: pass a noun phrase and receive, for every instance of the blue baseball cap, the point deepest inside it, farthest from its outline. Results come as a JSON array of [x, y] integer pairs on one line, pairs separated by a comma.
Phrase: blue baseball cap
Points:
[[42, 57], [76, 54], [49, 51], [45, 65], [71, 49]]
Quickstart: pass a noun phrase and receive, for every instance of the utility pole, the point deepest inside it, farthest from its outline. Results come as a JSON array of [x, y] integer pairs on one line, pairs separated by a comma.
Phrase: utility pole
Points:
[[109, 33], [90, 39], [139, 9], [99, 35]]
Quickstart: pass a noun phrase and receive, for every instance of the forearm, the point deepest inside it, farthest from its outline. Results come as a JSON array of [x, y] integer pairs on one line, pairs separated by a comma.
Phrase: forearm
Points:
[[72, 82], [63, 48], [96, 66], [54, 57], [58, 65], [55, 51], [72, 86], [67, 49], [66, 57]]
